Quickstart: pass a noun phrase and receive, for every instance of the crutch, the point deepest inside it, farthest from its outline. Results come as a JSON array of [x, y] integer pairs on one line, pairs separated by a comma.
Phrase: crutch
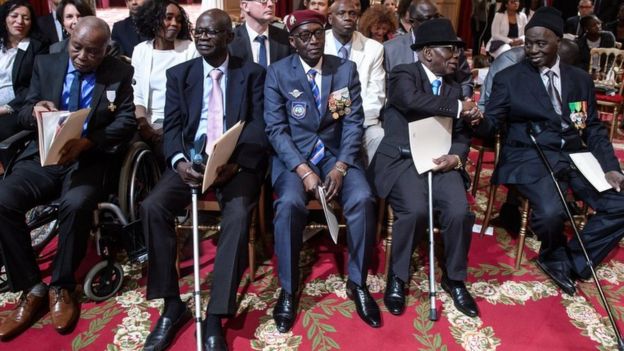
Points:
[[533, 130], [198, 160], [433, 312]]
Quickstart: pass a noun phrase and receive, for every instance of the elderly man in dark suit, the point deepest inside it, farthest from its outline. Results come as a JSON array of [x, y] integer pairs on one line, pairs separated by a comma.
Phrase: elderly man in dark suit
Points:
[[314, 118], [417, 91], [257, 40], [398, 50], [564, 117], [191, 112], [83, 78], [125, 32]]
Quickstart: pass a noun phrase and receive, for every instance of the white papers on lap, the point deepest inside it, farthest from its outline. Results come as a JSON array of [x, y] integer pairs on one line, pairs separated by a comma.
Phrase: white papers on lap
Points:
[[429, 138], [55, 129], [332, 222], [589, 166], [221, 152]]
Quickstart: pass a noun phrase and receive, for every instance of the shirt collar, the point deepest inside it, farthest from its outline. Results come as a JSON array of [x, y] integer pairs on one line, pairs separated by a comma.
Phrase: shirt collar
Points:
[[316, 67], [555, 68], [346, 46], [430, 75], [223, 68], [253, 34]]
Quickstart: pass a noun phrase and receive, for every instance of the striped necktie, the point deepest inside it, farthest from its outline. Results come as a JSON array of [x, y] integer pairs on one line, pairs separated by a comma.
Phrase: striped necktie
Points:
[[315, 90]]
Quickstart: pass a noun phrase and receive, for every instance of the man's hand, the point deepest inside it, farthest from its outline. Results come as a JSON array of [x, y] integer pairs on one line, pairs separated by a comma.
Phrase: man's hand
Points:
[[225, 173], [615, 179], [445, 163], [43, 106], [188, 175], [310, 179], [333, 184], [471, 113], [72, 150], [147, 132]]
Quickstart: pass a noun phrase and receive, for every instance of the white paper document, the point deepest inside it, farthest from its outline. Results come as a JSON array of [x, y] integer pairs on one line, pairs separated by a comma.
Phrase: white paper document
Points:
[[429, 138], [332, 222], [55, 129], [589, 166], [220, 154]]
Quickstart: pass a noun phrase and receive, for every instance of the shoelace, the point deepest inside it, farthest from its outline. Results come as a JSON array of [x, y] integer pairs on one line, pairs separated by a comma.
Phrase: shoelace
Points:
[[58, 296]]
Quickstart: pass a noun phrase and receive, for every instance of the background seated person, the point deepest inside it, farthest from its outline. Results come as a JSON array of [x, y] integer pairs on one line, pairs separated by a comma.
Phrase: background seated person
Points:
[[378, 23], [593, 37], [507, 28], [68, 12]]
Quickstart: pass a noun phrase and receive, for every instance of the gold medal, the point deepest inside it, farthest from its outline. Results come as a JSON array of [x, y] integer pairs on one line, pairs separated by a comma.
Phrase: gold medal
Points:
[[347, 110], [335, 115]]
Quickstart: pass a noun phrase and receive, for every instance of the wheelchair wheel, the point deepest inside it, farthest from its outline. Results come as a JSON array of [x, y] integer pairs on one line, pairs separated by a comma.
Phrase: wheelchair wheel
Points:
[[103, 280], [139, 175]]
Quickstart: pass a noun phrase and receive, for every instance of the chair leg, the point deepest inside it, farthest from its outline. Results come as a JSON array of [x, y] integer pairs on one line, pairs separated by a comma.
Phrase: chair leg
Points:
[[390, 223], [475, 183], [522, 235], [252, 244], [262, 214], [380, 217], [614, 123], [488, 209]]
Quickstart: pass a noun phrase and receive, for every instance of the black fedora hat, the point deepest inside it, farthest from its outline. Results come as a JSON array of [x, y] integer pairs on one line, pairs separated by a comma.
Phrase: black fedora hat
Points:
[[438, 31]]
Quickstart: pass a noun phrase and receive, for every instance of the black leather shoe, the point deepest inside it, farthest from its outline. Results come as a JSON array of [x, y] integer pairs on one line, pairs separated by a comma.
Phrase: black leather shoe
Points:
[[462, 299], [559, 273], [284, 312], [215, 343], [165, 331], [365, 305], [394, 297]]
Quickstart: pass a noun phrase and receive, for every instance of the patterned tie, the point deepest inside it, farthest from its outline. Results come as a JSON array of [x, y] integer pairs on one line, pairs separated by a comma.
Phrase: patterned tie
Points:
[[262, 54], [74, 92], [215, 110], [315, 90], [435, 86], [318, 153], [343, 53], [555, 98]]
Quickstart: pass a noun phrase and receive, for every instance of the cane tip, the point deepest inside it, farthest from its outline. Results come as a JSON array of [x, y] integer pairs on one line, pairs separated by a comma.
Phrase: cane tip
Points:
[[433, 315]]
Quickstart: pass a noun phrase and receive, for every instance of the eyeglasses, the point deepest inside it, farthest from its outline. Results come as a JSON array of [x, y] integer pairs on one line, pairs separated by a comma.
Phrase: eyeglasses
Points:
[[452, 48], [307, 35], [263, 2], [200, 32]]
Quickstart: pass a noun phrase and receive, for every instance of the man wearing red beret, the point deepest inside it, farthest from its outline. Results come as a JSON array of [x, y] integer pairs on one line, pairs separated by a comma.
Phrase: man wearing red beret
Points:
[[314, 118]]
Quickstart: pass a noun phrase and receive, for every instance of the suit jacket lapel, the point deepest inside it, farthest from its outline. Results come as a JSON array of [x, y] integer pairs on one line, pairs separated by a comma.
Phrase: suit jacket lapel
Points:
[[540, 93], [326, 85], [19, 58], [357, 49], [305, 85], [424, 79], [57, 76], [274, 46], [235, 80], [565, 92], [194, 92]]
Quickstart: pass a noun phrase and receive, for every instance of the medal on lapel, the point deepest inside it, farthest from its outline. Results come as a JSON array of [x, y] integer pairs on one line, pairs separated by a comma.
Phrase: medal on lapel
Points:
[[578, 114], [110, 96], [339, 103]]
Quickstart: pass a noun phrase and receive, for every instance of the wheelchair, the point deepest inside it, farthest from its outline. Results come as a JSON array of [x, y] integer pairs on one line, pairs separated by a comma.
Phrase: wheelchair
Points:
[[116, 223]]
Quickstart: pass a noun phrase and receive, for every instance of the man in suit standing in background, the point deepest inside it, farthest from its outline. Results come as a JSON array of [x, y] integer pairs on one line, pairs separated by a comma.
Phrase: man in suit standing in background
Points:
[[50, 27], [206, 96], [314, 118], [417, 91], [398, 50], [564, 119], [257, 40], [345, 42], [78, 79], [125, 32]]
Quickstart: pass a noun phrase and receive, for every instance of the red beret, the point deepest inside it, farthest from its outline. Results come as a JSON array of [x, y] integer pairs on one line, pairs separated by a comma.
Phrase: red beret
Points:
[[298, 18]]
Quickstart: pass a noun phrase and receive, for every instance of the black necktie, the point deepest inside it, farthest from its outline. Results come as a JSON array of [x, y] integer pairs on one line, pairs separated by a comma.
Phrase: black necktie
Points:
[[74, 93], [555, 98]]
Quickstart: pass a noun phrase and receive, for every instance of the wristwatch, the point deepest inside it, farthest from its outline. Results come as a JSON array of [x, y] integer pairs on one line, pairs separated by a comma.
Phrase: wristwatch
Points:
[[342, 170]]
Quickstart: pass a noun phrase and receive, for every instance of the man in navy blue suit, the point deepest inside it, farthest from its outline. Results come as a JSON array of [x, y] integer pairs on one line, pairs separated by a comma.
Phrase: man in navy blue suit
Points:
[[314, 118], [206, 95], [563, 115]]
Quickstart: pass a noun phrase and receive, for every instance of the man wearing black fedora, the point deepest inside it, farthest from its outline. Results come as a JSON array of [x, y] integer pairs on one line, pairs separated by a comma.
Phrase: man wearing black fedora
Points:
[[416, 91]]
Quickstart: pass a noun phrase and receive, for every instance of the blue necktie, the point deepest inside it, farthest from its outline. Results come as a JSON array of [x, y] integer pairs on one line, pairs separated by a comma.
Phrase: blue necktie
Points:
[[343, 53], [262, 54], [315, 89], [74, 92], [318, 153], [435, 86]]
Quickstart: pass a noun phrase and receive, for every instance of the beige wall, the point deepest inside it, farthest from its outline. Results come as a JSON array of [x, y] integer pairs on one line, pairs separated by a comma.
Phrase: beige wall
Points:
[[450, 10]]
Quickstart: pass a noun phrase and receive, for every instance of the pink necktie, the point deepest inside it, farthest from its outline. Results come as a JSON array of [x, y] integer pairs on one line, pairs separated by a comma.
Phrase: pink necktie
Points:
[[215, 110]]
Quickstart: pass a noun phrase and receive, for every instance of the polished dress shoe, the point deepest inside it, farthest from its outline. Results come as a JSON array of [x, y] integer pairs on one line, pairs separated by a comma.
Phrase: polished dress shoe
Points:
[[284, 312], [165, 331], [215, 343], [29, 308], [394, 297], [365, 305], [559, 272], [462, 299], [64, 309]]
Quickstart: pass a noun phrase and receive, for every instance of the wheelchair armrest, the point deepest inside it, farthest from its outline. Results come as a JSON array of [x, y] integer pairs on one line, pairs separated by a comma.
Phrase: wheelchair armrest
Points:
[[14, 139]]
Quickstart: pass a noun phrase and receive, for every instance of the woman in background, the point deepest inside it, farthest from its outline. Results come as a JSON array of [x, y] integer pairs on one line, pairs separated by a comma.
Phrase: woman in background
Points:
[[378, 23], [68, 12], [507, 28]]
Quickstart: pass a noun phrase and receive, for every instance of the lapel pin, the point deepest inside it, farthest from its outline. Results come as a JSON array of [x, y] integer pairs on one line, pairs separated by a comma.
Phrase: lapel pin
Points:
[[295, 93]]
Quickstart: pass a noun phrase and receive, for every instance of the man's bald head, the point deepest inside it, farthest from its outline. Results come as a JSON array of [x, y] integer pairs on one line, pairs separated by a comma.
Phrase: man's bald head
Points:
[[334, 6], [217, 17], [421, 11], [88, 43]]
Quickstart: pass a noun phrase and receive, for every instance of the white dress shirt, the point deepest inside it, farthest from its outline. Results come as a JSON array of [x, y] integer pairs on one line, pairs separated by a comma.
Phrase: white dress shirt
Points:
[[317, 78], [255, 46], [431, 76]]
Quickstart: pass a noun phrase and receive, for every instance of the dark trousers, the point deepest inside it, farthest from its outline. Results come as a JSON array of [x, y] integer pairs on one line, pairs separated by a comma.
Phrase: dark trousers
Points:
[[410, 203], [291, 215], [78, 188], [480, 35], [601, 233], [237, 199]]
